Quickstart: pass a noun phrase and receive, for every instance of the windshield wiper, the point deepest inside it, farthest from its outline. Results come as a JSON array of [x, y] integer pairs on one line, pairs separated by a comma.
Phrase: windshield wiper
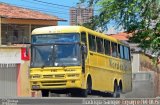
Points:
[[59, 63], [42, 67]]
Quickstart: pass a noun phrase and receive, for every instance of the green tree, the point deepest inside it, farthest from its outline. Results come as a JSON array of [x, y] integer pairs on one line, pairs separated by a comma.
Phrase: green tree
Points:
[[141, 17]]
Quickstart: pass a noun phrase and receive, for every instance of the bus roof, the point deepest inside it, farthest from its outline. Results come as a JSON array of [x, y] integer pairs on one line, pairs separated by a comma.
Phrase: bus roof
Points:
[[56, 29], [71, 29]]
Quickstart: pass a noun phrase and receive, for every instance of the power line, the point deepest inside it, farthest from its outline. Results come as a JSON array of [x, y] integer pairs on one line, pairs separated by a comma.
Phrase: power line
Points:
[[41, 3], [49, 3], [40, 10], [44, 9], [52, 3]]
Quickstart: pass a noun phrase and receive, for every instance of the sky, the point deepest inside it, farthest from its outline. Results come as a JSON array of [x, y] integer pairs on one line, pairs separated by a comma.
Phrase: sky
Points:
[[58, 8]]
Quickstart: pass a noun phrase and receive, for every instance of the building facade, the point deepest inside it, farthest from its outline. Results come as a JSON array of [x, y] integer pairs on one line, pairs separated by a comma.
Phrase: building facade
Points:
[[80, 14], [16, 24]]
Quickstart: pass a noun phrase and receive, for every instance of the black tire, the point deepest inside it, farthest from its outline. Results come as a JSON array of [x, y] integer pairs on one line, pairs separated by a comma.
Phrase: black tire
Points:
[[89, 86], [83, 92], [45, 93], [116, 93], [79, 93], [74, 93]]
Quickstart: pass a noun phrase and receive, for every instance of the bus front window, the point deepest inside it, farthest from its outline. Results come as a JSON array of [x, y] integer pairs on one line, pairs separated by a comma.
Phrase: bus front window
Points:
[[58, 49], [66, 55], [55, 55], [41, 55]]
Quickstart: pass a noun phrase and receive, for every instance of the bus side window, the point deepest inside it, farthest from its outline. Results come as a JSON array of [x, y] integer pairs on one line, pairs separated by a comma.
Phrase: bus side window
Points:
[[99, 42], [92, 44], [118, 51], [83, 37], [107, 47], [129, 53], [121, 49], [114, 49], [126, 53]]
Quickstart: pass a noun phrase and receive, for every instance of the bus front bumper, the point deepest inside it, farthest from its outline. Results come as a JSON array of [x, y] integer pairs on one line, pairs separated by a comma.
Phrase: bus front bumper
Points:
[[55, 84]]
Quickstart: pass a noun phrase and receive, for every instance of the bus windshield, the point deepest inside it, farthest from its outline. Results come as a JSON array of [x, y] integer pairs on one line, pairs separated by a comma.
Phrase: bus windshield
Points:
[[55, 55], [59, 49]]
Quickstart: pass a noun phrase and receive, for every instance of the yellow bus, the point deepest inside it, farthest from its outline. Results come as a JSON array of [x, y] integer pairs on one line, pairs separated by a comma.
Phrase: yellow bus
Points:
[[78, 61]]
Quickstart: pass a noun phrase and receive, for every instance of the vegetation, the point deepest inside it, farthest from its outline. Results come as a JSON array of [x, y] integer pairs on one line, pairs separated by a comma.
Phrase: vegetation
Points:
[[140, 17]]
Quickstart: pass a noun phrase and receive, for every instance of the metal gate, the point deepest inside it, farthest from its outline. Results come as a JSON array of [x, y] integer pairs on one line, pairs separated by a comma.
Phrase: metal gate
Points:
[[8, 80]]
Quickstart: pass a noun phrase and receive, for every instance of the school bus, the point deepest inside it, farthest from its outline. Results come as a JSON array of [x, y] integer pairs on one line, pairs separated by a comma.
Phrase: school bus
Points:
[[78, 61]]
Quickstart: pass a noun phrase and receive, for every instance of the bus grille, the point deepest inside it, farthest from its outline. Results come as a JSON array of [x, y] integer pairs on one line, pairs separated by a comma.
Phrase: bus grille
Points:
[[54, 76], [54, 83]]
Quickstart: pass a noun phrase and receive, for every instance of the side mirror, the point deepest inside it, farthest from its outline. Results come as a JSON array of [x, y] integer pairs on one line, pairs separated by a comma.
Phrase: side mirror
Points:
[[27, 50], [84, 52], [84, 49], [131, 58]]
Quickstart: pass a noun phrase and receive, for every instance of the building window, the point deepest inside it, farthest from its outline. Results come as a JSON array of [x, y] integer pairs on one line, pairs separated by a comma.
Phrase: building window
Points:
[[15, 34]]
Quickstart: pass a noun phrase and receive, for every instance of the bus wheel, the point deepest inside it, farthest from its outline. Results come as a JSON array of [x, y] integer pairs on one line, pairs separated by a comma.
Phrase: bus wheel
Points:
[[85, 92], [45, 93], [116, 93]]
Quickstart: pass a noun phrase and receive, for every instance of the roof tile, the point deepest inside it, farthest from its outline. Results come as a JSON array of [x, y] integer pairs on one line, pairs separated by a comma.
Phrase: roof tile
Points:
[[9, 11], [122, 36]]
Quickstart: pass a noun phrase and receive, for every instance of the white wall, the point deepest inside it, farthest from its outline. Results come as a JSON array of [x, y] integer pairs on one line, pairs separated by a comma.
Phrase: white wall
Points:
[[135, 62], [10, 55]]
